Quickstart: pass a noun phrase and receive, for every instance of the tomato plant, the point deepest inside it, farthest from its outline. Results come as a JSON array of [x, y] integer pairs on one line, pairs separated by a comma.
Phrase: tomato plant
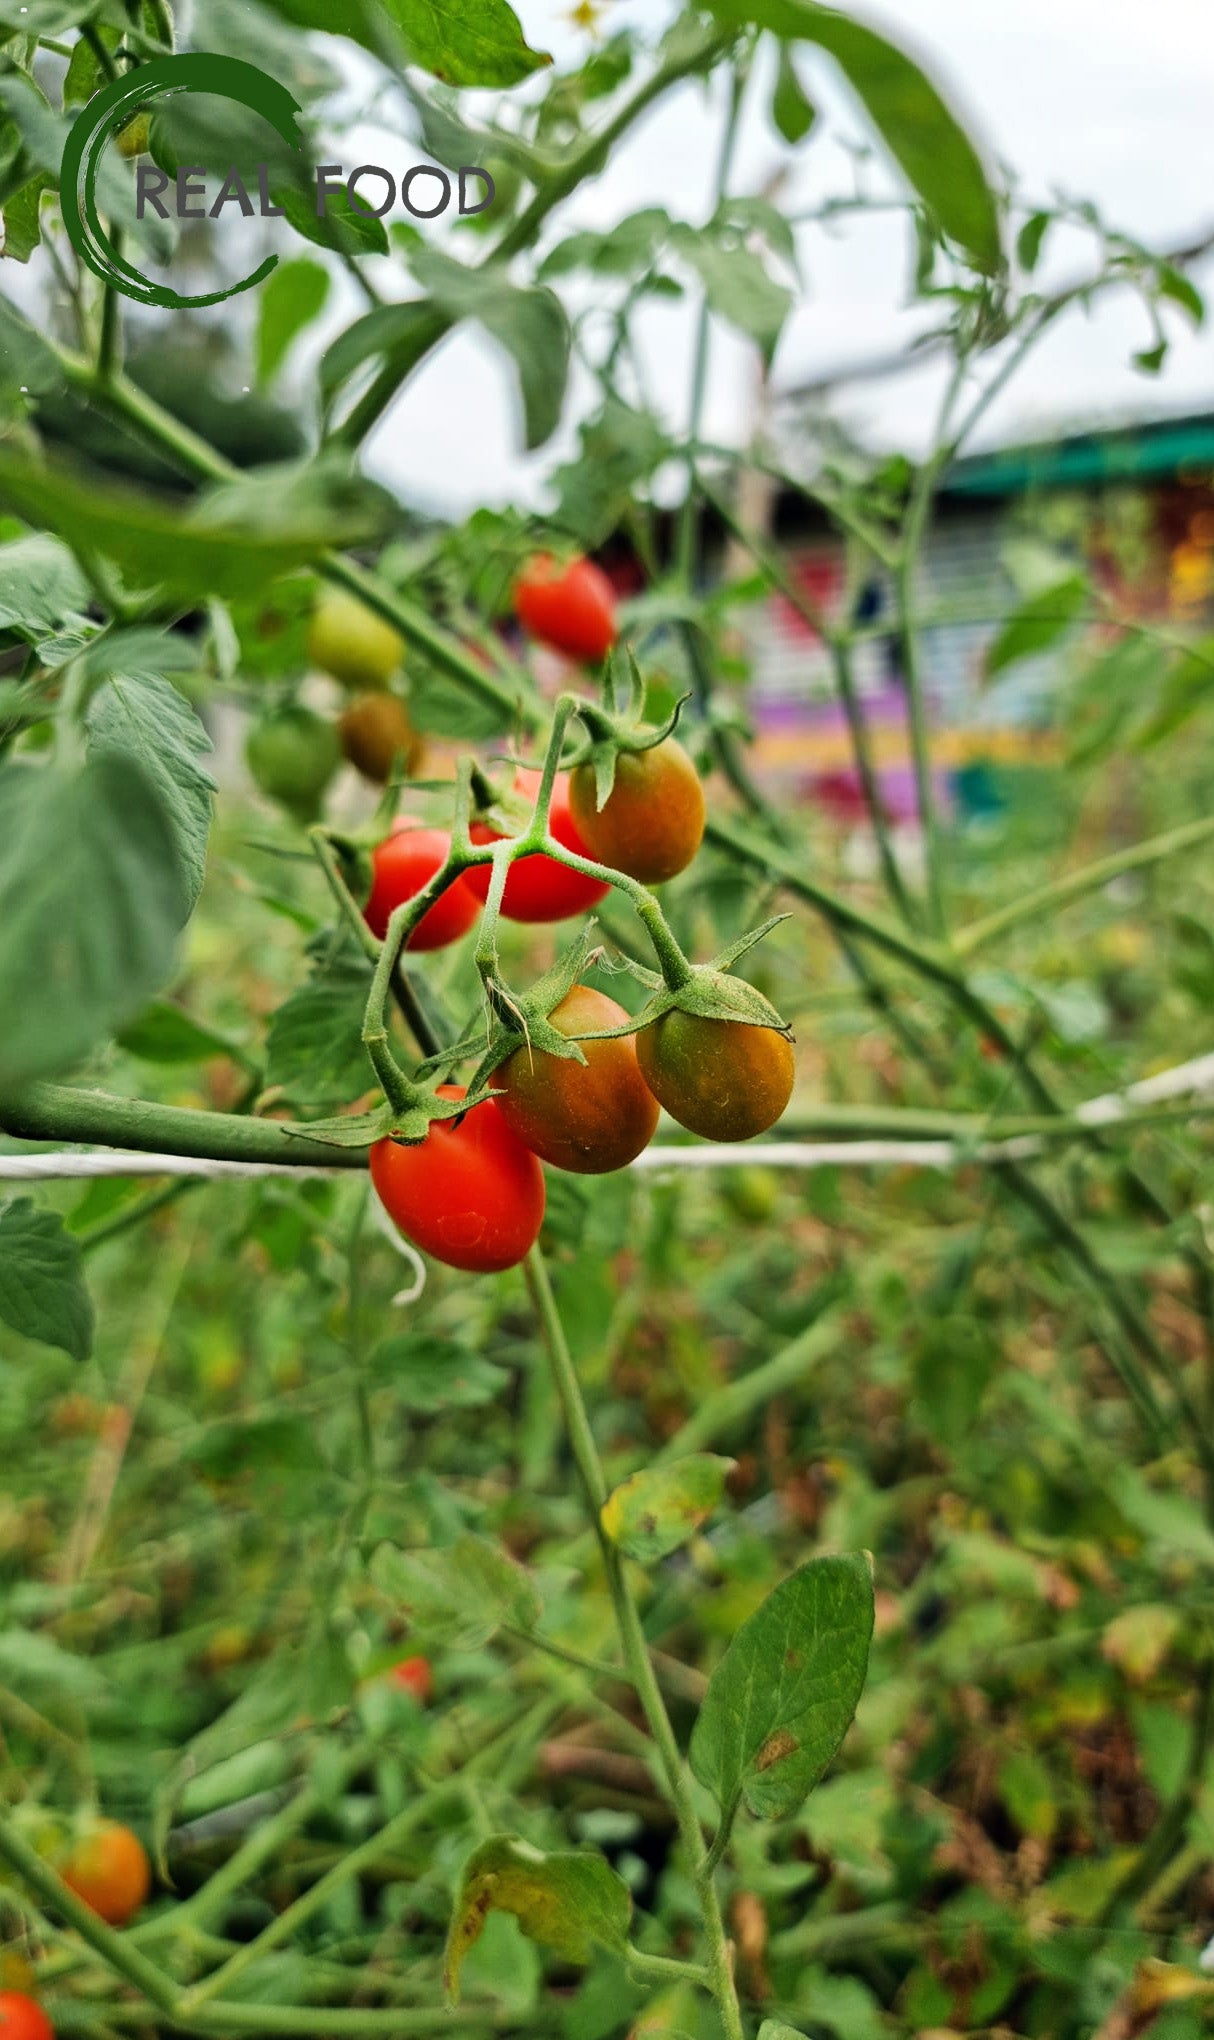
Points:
[[802, 1553]]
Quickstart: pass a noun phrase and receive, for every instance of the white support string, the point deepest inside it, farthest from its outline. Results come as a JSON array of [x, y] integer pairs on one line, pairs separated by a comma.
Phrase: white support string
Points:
[[1188, 1079]]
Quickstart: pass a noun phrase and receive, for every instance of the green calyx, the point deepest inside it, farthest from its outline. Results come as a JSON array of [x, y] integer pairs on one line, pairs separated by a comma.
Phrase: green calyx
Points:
[[709, 992], [619, 725]]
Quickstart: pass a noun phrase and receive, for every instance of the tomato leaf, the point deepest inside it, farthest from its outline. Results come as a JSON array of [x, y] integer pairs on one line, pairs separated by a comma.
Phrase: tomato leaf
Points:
[[315, 1043], [429, 1373], [662, 1507], [290, 299], [571, 1900], [528, 321], [466, 42], [166, 1034], [919, 128], [782, 1698], [42, 1289], [23, 218], [791, 109], [1038, 623], [139, 716], [340, 227], [462, 1593], [41, 587], [231, 539], [736, 284], [90, 904]]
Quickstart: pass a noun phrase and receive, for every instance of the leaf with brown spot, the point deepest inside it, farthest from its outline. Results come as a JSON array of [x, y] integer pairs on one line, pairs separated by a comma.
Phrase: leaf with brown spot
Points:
[[662, 1507], [781, 1700], [571, 1900]]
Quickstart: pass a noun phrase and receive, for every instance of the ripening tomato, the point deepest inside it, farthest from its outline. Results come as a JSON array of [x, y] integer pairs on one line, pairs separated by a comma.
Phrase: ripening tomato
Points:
[[292, 754], [652, 822], [588, 1117], [22, 2019], [378, 738], [351, 642], [470, 1194], [537, 888], [108, 1868], [414, 1676], [724, 1079], [571, 608], [401, 865]]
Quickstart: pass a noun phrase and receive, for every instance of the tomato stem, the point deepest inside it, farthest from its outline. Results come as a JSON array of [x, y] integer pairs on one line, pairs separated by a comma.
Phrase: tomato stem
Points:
[[635, 1644]]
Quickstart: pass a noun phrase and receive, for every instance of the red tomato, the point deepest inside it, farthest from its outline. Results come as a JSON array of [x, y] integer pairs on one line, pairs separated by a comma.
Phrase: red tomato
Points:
[[402, 864], [108, 1868], [470, 1194], [539, 889], [22, 2019], [571, 608], [413, 1675]]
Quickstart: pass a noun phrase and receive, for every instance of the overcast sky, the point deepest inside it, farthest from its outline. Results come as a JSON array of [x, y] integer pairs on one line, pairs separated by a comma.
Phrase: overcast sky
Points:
[[1108, 99]]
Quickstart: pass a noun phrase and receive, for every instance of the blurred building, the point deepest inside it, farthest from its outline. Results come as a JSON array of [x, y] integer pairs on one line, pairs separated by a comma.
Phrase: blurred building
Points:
[[1131, 508]]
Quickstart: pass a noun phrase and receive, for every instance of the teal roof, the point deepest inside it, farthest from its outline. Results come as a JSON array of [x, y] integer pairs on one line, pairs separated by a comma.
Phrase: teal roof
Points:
[[1133, 453]]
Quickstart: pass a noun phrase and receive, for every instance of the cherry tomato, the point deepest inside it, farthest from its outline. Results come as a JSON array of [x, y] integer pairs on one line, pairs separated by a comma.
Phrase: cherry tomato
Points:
[[571, 608], [292, 754], [539, 889], [351, 642], [470, 1194], [22, 2019], [108, 1868], [401, 865], [413, 1675], [652, 822], [589, 1117], [724, 1079], [378, 738]]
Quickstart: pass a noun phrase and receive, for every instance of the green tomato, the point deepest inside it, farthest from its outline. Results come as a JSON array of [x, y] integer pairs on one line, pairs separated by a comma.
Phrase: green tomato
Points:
[[351, 642], [292, 754]]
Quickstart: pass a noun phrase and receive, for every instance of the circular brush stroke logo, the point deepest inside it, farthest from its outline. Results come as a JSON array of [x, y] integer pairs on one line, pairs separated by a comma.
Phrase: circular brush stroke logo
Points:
[[229, 78]]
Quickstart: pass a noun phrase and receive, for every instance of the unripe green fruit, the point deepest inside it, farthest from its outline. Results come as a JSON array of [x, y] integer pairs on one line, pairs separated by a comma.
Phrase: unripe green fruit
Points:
[[133, 139], [292, 754], [351, 642]]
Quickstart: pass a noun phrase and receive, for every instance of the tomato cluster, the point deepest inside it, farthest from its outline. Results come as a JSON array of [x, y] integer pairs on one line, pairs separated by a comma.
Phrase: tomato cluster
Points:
[[472, 1192]]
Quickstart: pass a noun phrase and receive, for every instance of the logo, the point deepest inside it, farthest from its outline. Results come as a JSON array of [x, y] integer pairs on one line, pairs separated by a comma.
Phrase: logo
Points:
[[228, 78]]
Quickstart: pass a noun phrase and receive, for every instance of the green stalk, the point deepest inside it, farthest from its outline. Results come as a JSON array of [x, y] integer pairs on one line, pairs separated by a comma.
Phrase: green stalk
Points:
[[635, 1644], [839, 649], [685, 538], [317, 1895], [62, 1114], [1060, 893]]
